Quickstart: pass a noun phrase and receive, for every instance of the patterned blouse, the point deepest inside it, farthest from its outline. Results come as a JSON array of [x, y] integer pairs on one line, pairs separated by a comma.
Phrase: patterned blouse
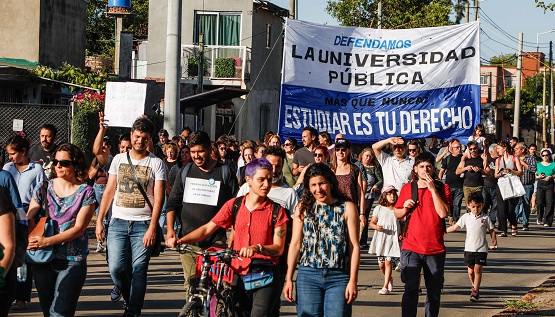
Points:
[[325, 237], [64, 210]]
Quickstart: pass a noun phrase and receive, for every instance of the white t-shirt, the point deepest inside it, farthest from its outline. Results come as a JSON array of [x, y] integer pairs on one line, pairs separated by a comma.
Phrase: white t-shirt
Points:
[[284, 195], [129, 203], [396, 173], [476, 230]]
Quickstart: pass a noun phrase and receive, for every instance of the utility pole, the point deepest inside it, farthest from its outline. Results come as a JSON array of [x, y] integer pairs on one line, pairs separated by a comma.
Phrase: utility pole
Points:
[[467, 12], [516, 122], [544, 106], [292, 9], [551, 106], [172, 87], [476, 8], [380, 14]]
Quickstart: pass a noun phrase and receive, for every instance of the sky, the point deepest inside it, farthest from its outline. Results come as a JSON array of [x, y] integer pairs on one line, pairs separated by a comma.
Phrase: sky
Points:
[[500, 23]]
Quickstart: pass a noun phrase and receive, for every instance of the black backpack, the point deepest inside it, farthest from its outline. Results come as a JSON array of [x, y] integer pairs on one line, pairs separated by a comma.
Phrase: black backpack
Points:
[[414, 196]]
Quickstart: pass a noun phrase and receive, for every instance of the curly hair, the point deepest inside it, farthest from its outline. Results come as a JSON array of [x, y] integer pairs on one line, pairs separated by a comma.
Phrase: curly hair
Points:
[[169, 145], [374, 159], [80, 162], [308, 200], [382, 201]]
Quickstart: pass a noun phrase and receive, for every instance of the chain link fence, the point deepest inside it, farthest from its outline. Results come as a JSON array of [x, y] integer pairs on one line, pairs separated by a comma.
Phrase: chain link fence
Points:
[[34, 116]]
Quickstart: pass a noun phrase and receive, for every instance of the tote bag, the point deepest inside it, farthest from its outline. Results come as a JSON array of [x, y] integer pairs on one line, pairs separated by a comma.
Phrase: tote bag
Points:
[[510, 186]]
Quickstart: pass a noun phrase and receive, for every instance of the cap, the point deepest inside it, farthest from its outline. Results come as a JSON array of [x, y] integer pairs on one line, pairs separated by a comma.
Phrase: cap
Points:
[[388, 188], [163, 132], [343, 143]]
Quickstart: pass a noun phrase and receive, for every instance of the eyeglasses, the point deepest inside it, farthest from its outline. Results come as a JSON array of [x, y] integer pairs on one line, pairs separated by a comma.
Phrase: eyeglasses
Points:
[[286, 144], [318, 155], [341, 149], [63, 163], [546, 155], [473, 149], [412, 150]]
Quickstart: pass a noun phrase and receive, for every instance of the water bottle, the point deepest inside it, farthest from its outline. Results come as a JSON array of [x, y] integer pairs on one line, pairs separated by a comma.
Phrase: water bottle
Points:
[[22, 273], [21, 215]]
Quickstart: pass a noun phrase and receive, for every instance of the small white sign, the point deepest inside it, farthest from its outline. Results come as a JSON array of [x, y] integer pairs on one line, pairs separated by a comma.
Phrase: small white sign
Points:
[[201, 191], [125, 102], [17, 125]]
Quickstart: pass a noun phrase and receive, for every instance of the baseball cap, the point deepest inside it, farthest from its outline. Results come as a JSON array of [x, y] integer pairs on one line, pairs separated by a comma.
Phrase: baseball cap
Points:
[[388, 188], [343, 143]]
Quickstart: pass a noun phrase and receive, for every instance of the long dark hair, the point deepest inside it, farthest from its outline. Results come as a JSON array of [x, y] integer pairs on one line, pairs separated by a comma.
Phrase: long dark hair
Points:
[[308, 200], [78, 158]]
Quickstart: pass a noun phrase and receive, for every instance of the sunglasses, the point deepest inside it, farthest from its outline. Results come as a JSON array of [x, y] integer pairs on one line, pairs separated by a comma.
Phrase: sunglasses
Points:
[[63, 163], [223, 148], [341, 149], [286, 144], [546, 155], [412, 150], [318, 155], [473, 149]]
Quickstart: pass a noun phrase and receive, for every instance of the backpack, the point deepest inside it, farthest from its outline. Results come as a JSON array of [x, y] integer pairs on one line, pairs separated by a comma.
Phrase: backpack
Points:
[[414, 196], [237, 205]]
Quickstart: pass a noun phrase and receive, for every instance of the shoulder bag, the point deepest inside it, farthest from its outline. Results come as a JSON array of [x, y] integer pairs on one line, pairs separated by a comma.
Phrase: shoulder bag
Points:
[[45, 227]]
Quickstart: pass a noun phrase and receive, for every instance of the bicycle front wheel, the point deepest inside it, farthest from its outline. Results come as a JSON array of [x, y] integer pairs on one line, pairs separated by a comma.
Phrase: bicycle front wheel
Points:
[[193, 308]]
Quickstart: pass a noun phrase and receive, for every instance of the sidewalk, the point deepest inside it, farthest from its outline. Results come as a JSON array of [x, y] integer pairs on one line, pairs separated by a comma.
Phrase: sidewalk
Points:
[[523, 265]]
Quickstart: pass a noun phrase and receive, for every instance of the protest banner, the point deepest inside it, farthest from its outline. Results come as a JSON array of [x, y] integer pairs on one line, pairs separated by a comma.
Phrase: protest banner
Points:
[[371, 84], [124, 103]]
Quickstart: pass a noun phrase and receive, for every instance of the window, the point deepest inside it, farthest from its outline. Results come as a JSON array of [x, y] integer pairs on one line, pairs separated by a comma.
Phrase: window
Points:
[[509, 82], [218, 28], [484, 79]]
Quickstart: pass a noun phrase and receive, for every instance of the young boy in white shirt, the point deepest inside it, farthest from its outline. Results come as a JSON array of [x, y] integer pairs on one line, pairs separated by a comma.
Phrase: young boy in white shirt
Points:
[[475, 246]]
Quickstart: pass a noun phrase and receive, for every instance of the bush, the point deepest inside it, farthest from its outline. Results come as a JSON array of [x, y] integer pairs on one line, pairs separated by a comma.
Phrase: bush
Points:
[[192, 66], [84, 129], [224, 67]]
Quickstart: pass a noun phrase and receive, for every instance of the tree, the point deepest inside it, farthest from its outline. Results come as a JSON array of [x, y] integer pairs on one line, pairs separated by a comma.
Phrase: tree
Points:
[[396, 14], [100, 28], [530, 95], [503, 60], [545, 6]]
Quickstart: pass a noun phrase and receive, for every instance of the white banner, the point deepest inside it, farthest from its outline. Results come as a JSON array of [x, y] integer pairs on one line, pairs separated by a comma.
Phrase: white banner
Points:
[[370, 84], [125, 102]]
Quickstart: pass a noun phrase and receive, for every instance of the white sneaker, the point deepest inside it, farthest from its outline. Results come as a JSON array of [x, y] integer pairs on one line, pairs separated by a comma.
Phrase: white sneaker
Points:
[[384, 291], [100, 248]]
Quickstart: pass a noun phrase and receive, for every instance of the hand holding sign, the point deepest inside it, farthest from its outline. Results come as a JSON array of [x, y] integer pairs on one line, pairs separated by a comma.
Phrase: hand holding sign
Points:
[[125, 102]]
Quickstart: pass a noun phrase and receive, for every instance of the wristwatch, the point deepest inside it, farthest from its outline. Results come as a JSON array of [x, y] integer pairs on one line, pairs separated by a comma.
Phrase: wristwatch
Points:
[[260, 248]]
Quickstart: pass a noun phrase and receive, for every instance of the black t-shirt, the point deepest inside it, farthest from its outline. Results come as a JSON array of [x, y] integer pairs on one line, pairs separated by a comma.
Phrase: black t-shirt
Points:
[[194, 215], [6, 204], [472, 178], [449, 164], [490, 181], [40, 156]]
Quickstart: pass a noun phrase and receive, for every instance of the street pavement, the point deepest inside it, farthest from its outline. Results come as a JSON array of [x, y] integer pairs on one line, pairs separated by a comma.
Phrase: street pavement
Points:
[[520, 264]]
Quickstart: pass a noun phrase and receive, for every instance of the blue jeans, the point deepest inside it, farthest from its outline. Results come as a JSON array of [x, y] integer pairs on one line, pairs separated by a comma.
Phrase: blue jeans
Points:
[[321, 292], [98, 192], [412, 264], [125, 244], [457, 194], [523, 207], [490, 200], [59, 285]]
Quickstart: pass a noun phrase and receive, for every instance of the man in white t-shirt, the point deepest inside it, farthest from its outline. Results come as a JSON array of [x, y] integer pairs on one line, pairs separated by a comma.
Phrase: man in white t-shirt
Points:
[[396, 169], [134, 222]]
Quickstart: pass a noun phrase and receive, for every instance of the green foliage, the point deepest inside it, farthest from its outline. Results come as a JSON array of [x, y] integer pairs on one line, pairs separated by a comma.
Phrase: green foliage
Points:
[[85, 128], [100, 29], [74, 75], [396, 14], [545, 6], [519, 305], [530, 95], [192, 66], [504, 60], [224, 67]]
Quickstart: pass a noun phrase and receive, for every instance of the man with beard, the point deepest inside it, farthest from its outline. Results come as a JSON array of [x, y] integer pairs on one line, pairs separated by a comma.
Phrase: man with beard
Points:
[[396, 169], [196, 210], [305, 155], [134, 218], [43, 153]]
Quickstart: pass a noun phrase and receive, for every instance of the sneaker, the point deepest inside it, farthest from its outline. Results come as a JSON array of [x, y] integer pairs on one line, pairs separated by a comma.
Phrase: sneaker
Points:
[[115, 294], [100, 248], [474, 295], [384, 291], [19, 305], [525, 229], [390, 285], [545, 225]]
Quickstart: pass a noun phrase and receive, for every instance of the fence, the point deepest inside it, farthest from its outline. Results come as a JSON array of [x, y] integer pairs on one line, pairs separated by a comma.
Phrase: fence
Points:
[[34, 116]]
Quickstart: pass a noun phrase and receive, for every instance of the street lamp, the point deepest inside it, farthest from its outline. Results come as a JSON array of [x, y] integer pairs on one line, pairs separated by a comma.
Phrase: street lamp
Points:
[[544, 120]]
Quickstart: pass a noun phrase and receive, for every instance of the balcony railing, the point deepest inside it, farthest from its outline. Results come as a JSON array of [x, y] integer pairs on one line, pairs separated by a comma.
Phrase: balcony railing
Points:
[[225, 65]]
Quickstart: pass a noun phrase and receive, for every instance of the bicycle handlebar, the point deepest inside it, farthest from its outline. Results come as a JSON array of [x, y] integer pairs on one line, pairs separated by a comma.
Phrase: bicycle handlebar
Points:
[[220, 254]]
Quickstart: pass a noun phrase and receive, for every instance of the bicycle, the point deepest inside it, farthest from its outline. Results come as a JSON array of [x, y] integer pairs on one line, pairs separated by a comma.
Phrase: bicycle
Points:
[[210, 294]]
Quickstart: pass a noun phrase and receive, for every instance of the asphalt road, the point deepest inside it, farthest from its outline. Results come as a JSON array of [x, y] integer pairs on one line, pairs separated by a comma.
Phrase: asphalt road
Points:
[[520, 263]]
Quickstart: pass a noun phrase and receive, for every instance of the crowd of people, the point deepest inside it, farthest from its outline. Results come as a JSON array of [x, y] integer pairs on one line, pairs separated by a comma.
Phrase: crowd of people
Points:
[[328, 196]]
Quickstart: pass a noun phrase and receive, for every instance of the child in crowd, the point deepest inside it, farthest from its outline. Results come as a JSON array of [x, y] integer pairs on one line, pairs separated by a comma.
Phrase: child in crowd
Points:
[[387, 234], [478, 135], [475, 246]]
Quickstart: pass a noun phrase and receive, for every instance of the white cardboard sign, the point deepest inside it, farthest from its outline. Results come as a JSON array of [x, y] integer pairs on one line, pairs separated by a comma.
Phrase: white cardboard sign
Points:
[[17, 125], [125, 102]]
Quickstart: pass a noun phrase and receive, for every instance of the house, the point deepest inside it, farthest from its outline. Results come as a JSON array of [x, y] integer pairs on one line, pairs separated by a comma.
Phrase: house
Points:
[[243, 47], [495, 80]]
